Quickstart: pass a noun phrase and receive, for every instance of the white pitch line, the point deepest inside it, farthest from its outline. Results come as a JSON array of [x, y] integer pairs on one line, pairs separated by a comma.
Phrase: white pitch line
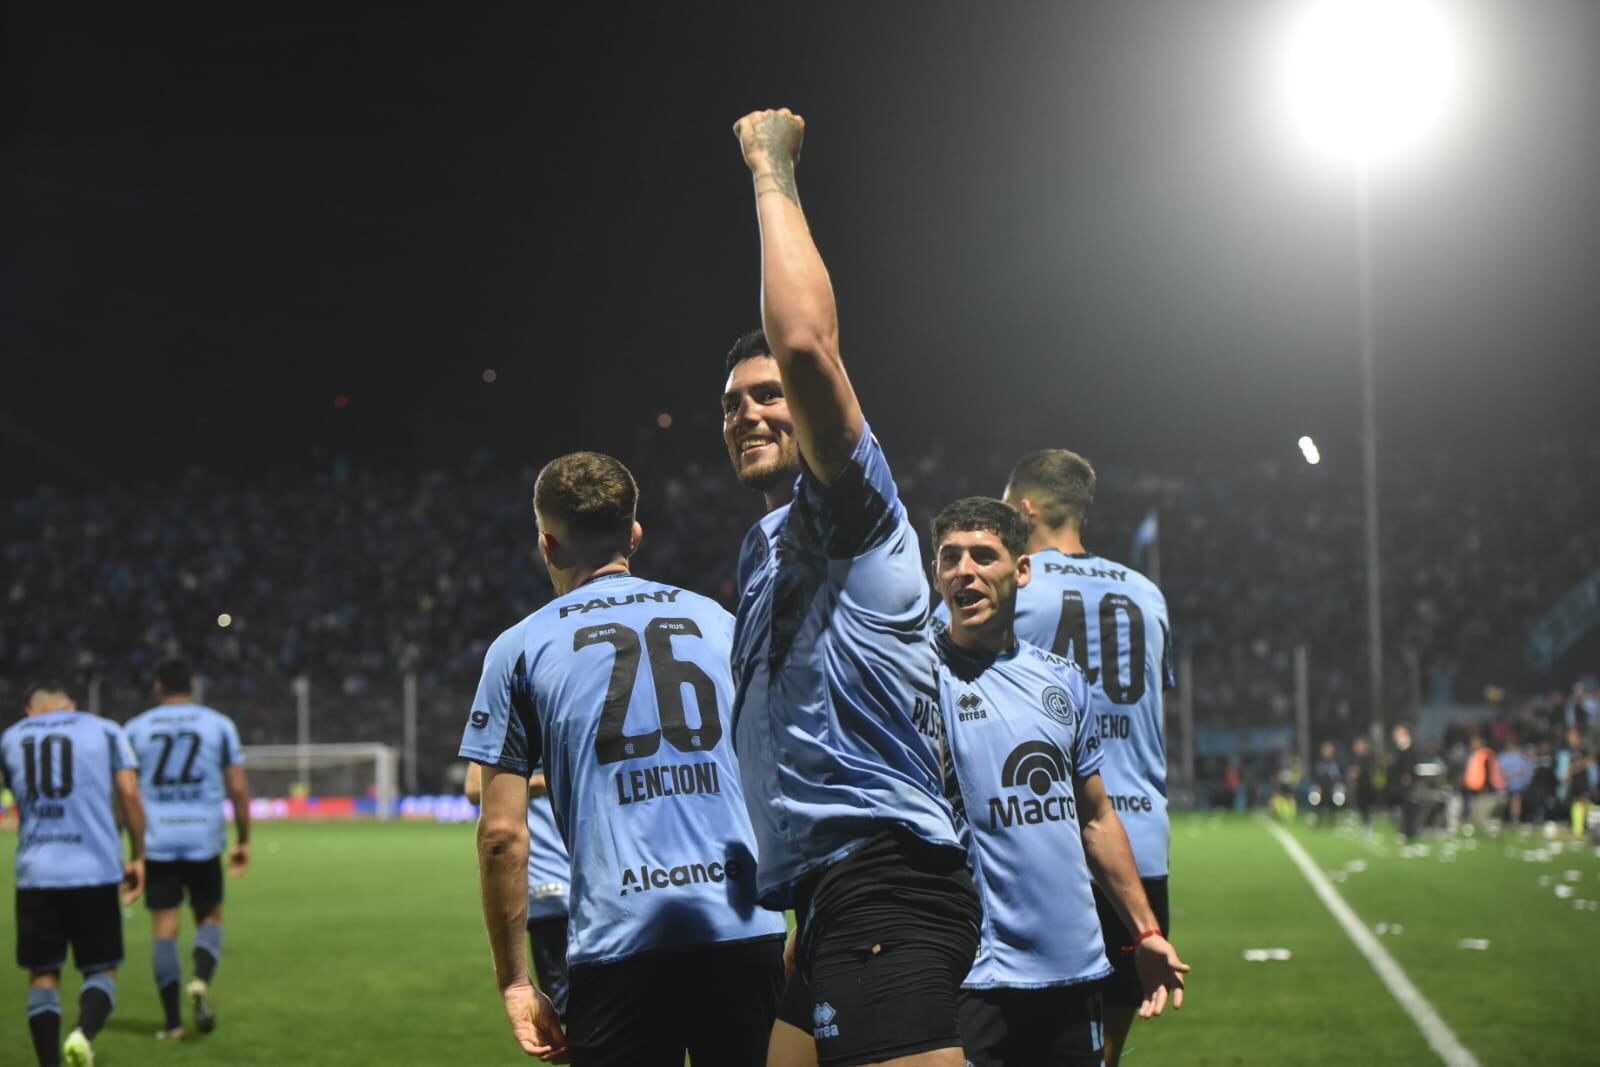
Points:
[[1438, 1034]]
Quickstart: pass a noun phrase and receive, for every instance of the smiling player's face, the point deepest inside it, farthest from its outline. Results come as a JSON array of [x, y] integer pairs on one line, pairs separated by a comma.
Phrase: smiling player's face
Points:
[[978, 579], [756, 426]]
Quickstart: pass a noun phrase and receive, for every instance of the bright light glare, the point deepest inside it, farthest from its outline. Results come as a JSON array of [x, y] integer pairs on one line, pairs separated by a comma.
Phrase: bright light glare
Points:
[[1308, 449], [1369, 81], [224, 620]]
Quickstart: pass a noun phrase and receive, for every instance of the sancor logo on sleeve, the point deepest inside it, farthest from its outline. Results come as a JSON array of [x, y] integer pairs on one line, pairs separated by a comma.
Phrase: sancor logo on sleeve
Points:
[[478, 719]]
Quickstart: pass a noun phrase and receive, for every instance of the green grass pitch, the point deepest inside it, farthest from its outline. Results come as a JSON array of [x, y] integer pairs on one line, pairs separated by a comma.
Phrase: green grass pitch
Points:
[[362, 944]]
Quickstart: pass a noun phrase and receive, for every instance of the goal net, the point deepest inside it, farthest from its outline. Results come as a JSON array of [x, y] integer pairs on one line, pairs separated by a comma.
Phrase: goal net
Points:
[[323, 780]]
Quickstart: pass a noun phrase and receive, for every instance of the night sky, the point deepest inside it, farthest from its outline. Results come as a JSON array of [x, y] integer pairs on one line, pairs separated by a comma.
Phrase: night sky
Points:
[[1054, 224]]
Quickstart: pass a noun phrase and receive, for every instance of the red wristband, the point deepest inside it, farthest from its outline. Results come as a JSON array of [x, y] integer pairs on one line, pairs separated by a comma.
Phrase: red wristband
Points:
[[1143, 934]]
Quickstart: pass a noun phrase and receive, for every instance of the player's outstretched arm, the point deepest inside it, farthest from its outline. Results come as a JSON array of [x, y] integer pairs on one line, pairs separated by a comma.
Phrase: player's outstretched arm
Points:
[[238, 788], [1105, 846], [126, 785], [798, 312], [503, 873]]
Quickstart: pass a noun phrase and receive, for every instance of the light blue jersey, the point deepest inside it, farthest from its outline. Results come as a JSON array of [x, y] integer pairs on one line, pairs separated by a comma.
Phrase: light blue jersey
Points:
[[61, 766], [549, 867], [183, 751], [836, 717], [621, 689], [1112, 622], [1018, 732]]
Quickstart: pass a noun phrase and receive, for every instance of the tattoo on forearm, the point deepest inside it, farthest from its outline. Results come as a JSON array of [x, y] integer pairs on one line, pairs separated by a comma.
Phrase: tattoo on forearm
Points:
[[778, 180]]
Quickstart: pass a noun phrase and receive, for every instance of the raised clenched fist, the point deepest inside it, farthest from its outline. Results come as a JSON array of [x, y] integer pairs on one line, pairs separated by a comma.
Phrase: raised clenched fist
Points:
[[770, 138]]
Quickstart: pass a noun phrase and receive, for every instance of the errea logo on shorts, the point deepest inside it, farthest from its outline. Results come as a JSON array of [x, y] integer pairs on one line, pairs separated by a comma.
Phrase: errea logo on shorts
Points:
[[822, 1024]]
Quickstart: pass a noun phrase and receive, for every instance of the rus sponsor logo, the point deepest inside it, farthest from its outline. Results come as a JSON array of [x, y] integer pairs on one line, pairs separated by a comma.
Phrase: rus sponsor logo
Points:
[[644, 877]]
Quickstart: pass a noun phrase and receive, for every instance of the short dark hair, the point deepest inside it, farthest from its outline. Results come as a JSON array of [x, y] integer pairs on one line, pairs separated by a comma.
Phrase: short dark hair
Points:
[[594, 497], [748, 346], [1060, 484], [983, 513], [42, 685], [175, 675]]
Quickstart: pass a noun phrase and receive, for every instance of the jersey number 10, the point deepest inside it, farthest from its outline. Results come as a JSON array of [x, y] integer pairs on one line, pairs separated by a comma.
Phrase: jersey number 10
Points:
[[47, 766], [611, 744]]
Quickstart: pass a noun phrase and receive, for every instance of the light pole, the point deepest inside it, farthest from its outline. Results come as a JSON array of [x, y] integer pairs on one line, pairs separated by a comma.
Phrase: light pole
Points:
[[1369, 82]]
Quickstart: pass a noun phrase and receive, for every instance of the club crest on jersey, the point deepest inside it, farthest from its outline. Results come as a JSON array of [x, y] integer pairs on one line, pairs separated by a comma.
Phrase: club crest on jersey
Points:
[[1057, 704], [822, 1023]]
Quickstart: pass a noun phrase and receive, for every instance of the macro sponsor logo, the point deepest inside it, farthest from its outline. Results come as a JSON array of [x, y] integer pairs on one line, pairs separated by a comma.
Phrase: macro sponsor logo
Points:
[[605, 603], [636, 785], [822, 1024], [643, 878], [971, 705], [1039, 767]]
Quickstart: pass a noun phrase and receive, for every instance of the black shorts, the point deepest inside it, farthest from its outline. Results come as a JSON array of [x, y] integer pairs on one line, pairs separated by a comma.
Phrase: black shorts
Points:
[[716, 1003], [1061, 1026], [547, 939], [166, 881], [89, 918], [1123, 988], [886, 936]]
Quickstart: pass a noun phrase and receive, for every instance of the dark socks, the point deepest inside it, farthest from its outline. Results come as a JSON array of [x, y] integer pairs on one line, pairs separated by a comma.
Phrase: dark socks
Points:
[[44, 1024], [207, 950], [169, 978], [170, 1006], [95, 1002]]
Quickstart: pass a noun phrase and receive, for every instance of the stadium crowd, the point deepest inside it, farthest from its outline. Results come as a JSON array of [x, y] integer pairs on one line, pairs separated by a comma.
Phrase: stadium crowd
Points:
[[355, 578]]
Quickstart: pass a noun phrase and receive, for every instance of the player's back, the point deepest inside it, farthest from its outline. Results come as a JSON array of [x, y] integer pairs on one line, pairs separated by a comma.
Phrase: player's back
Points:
[[838, 719], [184, 750], [622, 689], [60, 765], [1112, 622], [1019, 731]]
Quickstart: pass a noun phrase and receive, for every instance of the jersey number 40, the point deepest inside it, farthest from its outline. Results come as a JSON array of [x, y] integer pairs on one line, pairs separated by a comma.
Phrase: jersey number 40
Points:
[[1072, 639]]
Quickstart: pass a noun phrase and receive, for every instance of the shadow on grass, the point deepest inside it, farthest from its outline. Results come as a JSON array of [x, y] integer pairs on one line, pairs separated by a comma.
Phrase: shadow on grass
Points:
[[121, 1024]]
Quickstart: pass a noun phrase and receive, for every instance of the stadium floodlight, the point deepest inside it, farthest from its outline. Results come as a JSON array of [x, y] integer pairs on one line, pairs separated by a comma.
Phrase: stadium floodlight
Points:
[[1372, 81], [1308, 449]]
